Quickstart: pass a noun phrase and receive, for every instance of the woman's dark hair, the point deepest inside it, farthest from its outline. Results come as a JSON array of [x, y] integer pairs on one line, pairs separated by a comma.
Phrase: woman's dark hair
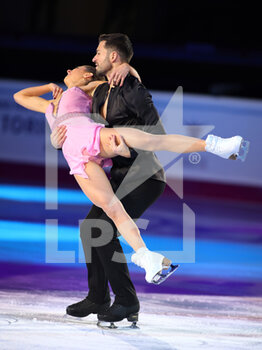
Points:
[[120, 43], [96, 76]]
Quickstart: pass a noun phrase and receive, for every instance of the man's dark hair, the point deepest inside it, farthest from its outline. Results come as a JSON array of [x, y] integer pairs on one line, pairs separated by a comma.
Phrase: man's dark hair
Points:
[[118, 42]]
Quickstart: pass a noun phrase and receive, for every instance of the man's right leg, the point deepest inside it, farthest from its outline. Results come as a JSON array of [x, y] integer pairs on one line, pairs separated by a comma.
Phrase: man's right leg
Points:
[[98, 299], [116, 272], [100, 266], [97, 280]]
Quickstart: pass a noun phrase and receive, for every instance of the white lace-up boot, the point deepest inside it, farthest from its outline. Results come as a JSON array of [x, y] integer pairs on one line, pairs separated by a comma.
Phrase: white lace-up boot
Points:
[[227, 148], [152, 262]]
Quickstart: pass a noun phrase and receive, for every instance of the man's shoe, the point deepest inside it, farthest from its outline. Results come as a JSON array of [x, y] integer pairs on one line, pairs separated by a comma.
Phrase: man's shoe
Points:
[[118, 312], [86, 307]]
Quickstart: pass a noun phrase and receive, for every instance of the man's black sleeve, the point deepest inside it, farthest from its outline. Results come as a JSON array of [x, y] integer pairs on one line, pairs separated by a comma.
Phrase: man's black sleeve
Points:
[[139, 100]]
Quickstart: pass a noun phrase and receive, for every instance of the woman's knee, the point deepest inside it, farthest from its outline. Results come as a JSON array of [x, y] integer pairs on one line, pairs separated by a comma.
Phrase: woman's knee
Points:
[[113, 209]]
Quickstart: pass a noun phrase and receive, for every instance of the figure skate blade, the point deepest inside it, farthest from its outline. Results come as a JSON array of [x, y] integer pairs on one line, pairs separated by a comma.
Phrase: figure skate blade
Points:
[[161, 276]]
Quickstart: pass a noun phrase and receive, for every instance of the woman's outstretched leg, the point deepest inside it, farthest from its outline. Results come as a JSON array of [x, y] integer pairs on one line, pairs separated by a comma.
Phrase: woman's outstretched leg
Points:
[[149, 142], [98, 189], [225, 148]]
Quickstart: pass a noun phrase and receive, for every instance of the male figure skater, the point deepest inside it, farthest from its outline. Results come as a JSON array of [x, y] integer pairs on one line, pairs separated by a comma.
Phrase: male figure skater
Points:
[[138, 188]]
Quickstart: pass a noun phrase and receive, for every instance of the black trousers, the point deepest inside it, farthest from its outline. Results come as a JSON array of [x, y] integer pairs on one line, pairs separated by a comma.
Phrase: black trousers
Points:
[[101, 267]]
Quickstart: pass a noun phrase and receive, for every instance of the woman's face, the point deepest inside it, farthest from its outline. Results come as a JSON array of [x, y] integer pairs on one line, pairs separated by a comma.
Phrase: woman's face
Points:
[[75, 76]]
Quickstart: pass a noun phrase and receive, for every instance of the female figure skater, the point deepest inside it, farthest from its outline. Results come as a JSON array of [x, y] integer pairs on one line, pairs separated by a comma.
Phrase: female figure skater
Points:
[[88, 147]]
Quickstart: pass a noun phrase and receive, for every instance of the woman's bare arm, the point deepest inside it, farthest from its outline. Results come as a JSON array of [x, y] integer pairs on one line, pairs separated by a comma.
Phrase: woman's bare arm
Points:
[[134, 72], [117, 77], [119, 74], [30, 97]]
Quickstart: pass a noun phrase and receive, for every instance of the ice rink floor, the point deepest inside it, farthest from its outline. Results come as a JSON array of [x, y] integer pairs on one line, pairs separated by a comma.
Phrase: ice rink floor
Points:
[[30, 320]]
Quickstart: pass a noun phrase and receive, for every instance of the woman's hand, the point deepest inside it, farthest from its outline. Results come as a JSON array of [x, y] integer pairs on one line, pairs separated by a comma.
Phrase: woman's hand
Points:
[[58, 136], [56, 90], [118, 146], [119, 74]]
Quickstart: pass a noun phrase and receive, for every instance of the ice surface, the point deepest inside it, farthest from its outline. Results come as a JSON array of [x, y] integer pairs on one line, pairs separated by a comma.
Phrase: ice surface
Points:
[[35, 320]]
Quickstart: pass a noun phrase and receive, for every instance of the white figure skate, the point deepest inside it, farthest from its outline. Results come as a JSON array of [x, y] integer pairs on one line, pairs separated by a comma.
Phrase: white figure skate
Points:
[[158, 268], [231, 148]]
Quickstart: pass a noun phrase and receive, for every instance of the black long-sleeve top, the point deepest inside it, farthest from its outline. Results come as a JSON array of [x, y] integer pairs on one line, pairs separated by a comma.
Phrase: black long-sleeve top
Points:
[[131, 105]]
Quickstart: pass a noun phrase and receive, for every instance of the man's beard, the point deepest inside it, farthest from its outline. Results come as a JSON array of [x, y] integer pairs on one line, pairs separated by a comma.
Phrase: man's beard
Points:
[[104, 68]]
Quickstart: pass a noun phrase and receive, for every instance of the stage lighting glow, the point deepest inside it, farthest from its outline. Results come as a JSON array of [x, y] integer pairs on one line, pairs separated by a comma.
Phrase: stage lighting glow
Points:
[[37, 194], [26, 242]]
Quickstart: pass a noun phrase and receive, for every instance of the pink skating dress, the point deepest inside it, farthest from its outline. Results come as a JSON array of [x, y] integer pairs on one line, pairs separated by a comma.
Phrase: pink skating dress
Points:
[[82, 142]]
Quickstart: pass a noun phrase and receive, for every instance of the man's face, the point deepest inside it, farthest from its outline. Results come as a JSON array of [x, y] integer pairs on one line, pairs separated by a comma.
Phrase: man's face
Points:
[[102, 60]]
